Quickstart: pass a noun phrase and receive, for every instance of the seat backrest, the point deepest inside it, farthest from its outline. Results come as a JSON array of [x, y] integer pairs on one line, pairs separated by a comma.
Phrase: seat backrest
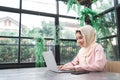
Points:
[[112, 66]]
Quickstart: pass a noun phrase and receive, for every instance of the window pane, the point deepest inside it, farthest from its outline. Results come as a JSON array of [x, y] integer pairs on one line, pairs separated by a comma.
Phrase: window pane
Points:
[[27, 51], [48, 6], [102, 5], [8, 50], [68, 50], [110, 47], [9, 24], [63, 10], [10, 3], [34, 25], [118, 1], [68, 28], [108, 25]]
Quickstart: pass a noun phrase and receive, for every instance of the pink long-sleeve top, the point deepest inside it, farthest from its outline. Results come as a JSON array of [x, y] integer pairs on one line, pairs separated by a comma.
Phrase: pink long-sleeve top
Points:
[[94, 62]]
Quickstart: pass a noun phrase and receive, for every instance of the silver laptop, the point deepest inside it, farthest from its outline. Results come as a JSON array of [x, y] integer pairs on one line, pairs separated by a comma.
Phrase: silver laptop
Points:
[[51, 63]]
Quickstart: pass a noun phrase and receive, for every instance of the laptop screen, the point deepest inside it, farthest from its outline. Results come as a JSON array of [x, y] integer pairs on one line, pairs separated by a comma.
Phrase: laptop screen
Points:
[[50, 60]]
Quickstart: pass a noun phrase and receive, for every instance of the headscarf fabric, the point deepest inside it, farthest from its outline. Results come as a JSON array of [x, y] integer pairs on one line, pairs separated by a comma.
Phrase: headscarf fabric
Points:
[[89, 36]]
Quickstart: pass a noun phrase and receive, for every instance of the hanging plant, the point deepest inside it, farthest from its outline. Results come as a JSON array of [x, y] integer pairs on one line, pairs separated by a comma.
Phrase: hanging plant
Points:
[[86, 2], [86, 15], [39, 48]]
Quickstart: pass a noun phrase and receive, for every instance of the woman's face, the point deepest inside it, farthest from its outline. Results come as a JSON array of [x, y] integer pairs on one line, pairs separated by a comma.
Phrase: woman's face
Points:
[[80, 39]]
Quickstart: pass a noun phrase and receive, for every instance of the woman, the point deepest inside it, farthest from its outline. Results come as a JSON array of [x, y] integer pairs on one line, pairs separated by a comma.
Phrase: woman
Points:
[[91, 56]]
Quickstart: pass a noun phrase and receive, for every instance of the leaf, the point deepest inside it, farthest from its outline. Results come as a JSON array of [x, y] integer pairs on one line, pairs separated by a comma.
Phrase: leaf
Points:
[[78, 9], [94, 0], [69, 5]]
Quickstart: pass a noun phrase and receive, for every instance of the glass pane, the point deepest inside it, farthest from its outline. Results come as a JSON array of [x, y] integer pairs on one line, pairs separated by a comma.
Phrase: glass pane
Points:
[[48, 6], [102, 5], [118, 1], [8, 50], [27, 51], [37, 25], [9, 24], [10, 3], [107, 25], [63, 10], [68, 50], [110, 47], [68, 28]]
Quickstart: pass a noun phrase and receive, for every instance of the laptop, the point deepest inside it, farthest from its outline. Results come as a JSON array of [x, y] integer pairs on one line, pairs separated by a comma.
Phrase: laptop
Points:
[[51, 63]]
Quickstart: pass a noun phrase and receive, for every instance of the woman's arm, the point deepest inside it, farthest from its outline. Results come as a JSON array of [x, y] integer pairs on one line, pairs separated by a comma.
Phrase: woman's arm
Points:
[[69, 65]]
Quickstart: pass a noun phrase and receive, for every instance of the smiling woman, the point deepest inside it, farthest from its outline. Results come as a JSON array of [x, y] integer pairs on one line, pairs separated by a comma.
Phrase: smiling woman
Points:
[[91, 55]]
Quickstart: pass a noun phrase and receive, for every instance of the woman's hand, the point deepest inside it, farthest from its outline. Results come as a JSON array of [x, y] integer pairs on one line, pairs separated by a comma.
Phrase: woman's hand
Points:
[[60, 66], [65, 67]]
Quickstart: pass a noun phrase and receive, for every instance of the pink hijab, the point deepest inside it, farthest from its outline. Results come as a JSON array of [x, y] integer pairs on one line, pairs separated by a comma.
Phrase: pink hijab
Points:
[[89, 36]]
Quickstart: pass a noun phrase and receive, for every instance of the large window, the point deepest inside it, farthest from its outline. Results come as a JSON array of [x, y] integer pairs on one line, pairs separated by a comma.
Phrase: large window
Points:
[[22, 20]]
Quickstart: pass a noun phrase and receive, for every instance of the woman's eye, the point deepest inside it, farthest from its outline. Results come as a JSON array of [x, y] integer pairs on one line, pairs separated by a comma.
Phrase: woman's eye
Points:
[[80, 38]]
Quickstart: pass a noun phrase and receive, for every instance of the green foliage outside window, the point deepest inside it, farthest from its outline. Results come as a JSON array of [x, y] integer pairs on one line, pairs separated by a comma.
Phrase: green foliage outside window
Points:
[[8, 50], [68, 50]]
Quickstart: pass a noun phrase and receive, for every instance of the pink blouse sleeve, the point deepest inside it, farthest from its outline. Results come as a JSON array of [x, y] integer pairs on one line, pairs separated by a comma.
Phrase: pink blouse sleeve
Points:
[[98, 64]]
